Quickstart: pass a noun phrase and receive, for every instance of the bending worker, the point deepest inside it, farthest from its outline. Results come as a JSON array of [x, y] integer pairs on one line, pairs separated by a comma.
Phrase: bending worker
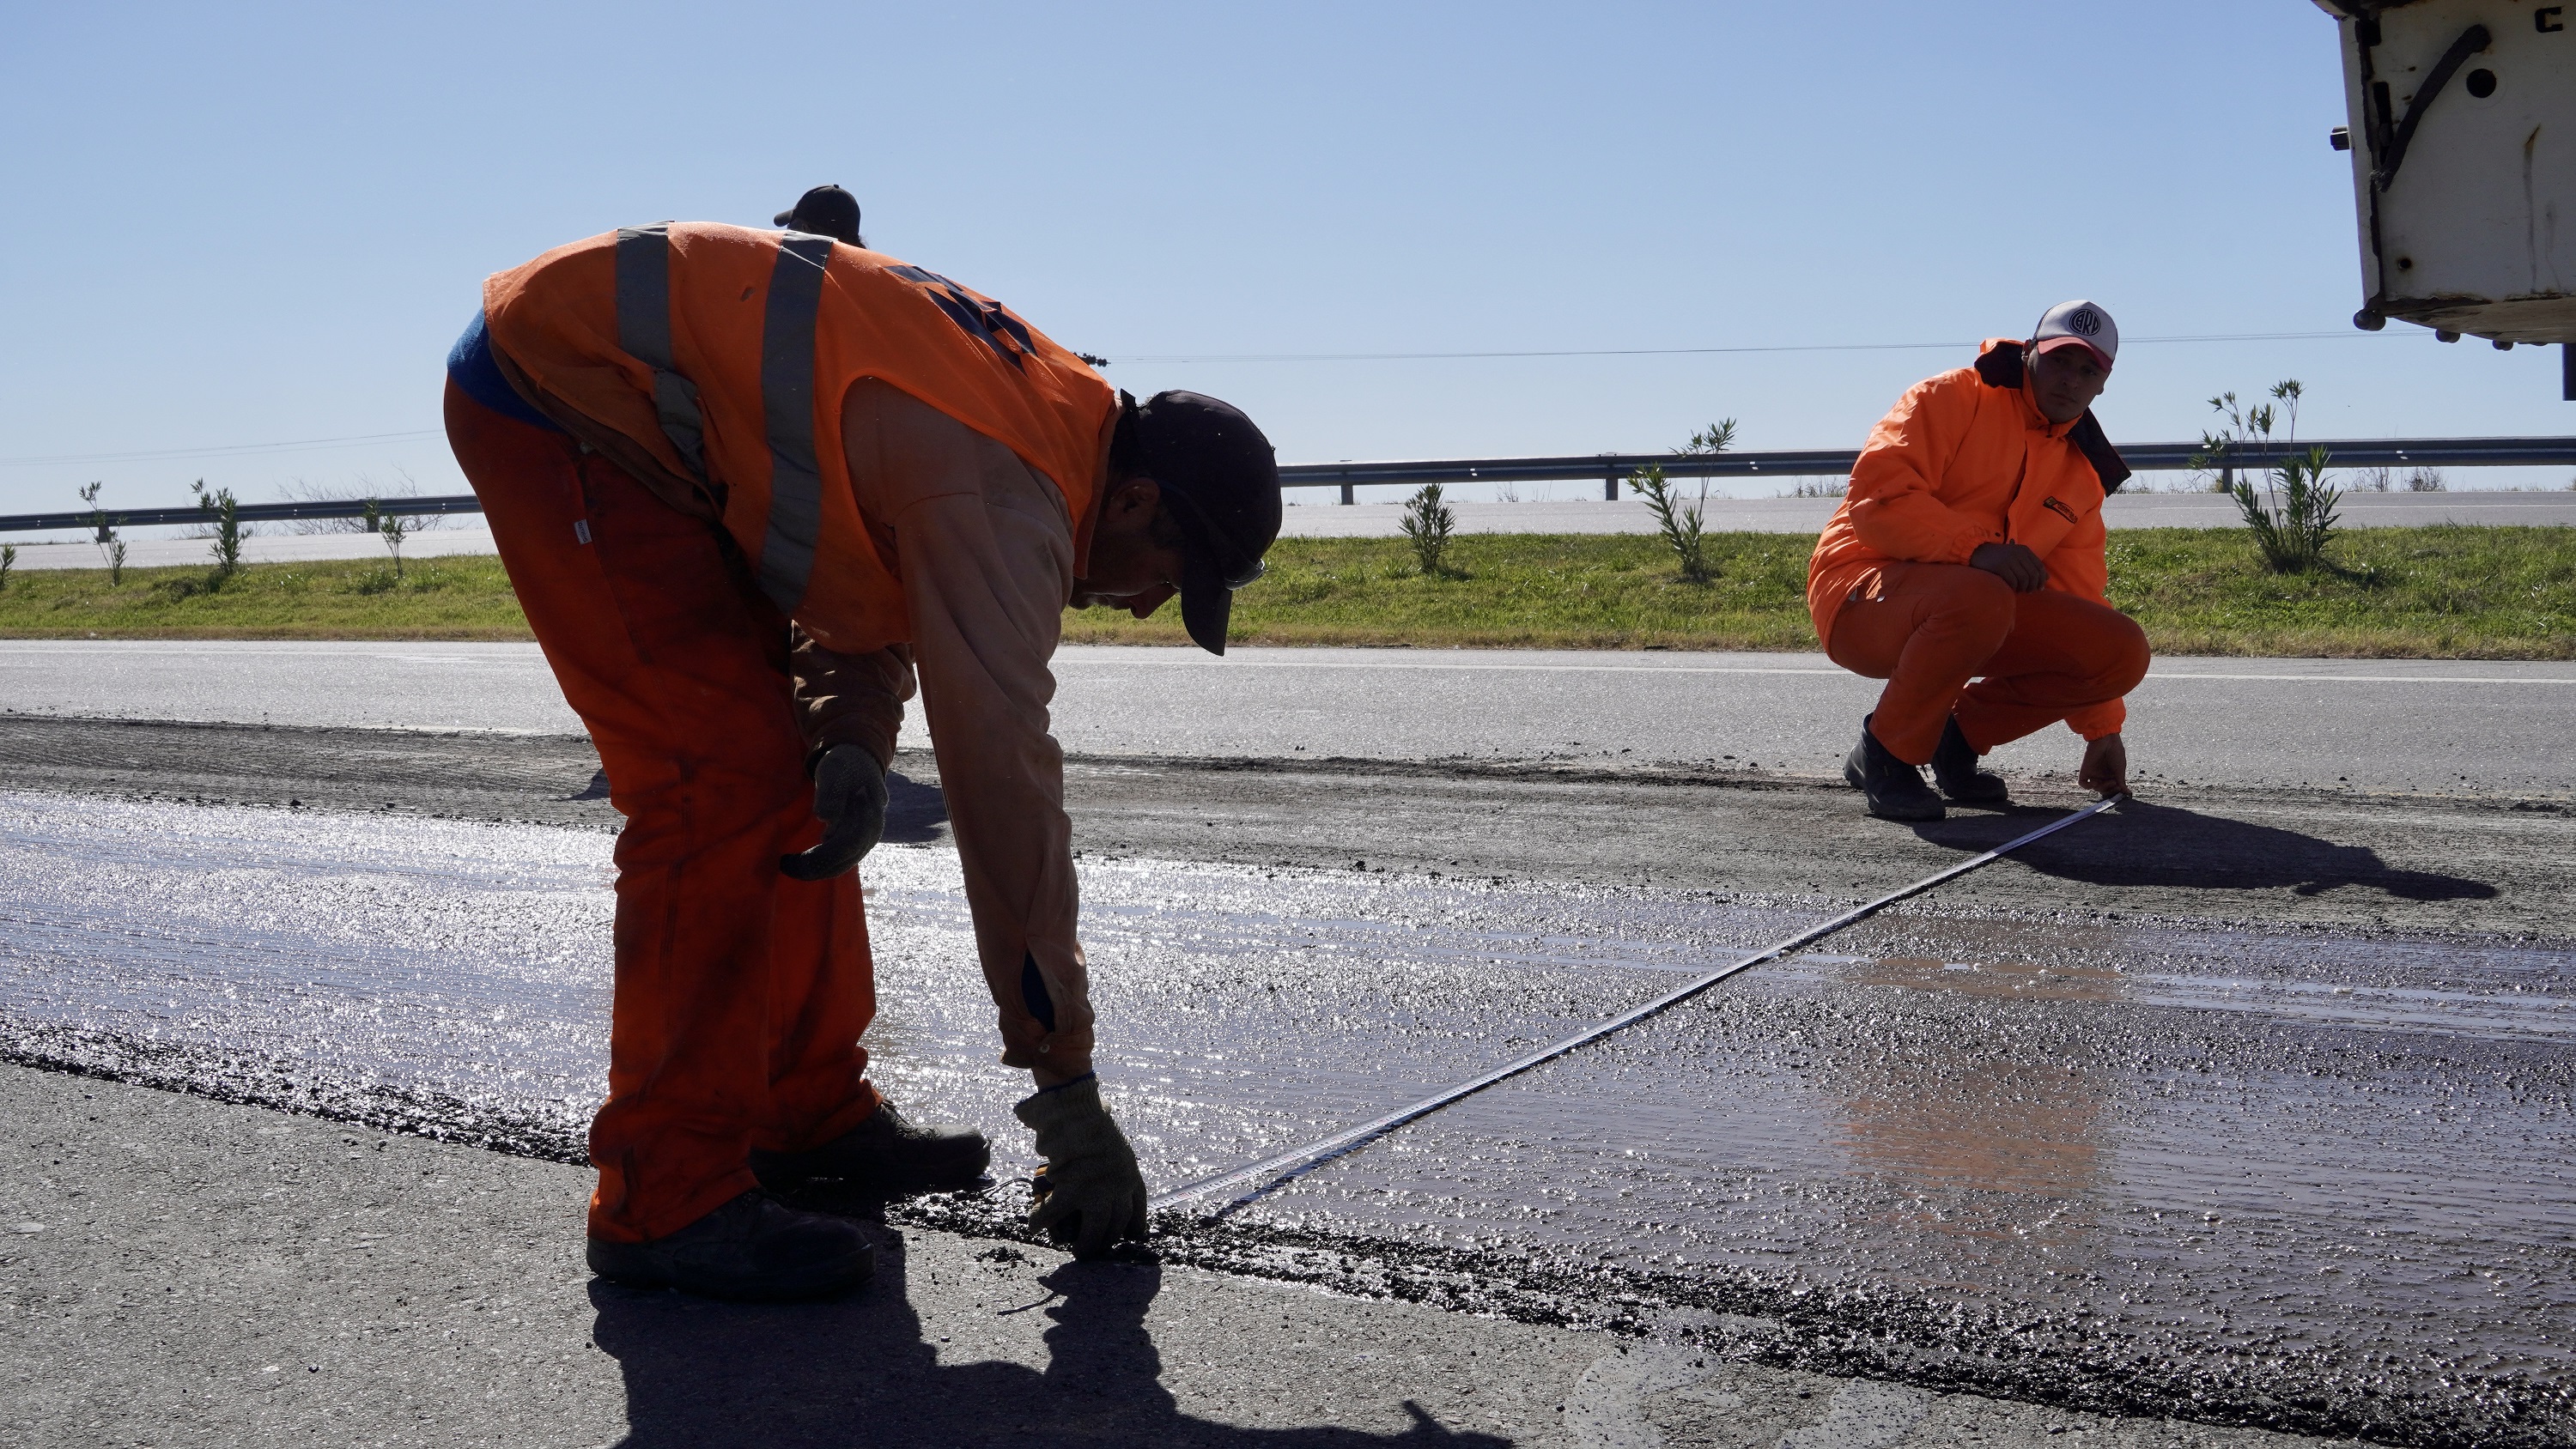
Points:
[[746, 483], [1970, 548]]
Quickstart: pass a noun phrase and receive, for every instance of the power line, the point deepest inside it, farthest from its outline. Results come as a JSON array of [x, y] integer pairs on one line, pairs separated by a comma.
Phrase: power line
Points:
[[222, 450], [1709, 351]]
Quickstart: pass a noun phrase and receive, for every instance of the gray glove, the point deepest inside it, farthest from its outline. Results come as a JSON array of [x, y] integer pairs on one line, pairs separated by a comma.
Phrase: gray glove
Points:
[[850, 796], [1090, 1194]]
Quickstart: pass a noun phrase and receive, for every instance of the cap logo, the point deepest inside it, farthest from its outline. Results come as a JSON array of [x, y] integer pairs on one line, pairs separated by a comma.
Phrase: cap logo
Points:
[[2084, 322]]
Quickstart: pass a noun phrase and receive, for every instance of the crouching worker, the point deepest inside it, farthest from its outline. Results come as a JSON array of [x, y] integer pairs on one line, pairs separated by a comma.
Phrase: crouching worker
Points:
[[1970, 548], [746, 484]]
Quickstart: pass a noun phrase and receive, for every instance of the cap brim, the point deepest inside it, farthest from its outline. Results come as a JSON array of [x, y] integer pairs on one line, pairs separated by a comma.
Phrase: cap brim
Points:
[[2054, 343], [784, 217], [1207, 605]]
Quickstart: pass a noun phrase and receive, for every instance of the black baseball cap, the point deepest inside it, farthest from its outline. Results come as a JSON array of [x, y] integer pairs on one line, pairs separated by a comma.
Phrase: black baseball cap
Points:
[[1220, 485], [825, 211]]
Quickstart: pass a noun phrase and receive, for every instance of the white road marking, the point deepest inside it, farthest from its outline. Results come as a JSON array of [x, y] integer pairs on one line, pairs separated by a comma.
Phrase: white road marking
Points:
[[1180, 659]]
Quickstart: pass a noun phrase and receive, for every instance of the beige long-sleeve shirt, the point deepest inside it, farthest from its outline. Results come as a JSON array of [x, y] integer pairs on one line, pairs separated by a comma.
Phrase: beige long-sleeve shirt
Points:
[[985, 549]]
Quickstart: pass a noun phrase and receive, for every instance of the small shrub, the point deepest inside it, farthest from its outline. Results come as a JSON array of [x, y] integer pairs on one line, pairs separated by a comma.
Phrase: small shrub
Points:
[[2426, 480], [2294, 515], [1428, 522], [8, 561], [1681, 525], [110, 547], [392, 528], [227, 534], [1677, 521]]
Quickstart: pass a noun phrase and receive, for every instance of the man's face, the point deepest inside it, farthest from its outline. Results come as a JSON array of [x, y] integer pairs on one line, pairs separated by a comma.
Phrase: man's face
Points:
[[1130, 568], [2064, 381]]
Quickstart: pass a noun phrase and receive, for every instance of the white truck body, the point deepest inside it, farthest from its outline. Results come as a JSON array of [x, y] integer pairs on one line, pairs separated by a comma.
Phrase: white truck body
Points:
[[2462, 128]]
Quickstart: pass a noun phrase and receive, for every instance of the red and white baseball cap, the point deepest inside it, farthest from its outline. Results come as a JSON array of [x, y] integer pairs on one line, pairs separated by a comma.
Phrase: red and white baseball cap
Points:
[[2078, 323]]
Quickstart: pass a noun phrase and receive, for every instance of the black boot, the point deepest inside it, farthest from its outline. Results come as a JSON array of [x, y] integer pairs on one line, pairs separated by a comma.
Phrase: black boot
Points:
[[1896, 790], [886, 1153], [1954, 766], [753, 1248]]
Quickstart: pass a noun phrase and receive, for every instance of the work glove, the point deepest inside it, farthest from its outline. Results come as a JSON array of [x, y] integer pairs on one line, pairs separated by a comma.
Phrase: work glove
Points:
[[850, 796], [1090, 1194]]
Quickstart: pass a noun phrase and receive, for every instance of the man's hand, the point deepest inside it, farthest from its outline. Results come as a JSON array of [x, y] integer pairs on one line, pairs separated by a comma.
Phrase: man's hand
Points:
[[2106, 767], [1090, 1193], [2013, 564], [850, 796]]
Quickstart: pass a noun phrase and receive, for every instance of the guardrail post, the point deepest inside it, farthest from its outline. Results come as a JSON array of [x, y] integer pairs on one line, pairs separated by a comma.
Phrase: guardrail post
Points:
[[1610, 487], [1346, 494]]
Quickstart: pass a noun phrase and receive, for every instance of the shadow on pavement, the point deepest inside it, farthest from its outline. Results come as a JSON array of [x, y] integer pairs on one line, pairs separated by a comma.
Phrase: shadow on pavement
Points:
[[857, 1372], [916, 814], [2146, 844]]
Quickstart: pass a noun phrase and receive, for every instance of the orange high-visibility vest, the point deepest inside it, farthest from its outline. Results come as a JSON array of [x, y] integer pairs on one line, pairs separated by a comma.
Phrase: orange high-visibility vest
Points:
[[1963, 459], [712, 361]]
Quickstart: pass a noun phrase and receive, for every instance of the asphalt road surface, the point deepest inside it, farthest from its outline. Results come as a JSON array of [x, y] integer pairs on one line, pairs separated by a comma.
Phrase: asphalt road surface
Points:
[[2247, 1106], [2241, 1106], [177, 1270], [2382, 726]]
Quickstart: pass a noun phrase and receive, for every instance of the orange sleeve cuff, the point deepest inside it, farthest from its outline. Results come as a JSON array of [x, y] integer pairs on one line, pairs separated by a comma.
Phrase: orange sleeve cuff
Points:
[[1965, 543], [2094, 722]]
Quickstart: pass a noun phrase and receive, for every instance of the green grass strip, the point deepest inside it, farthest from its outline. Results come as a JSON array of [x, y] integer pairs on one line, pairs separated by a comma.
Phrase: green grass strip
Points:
[[454, 597], [2423, 593]]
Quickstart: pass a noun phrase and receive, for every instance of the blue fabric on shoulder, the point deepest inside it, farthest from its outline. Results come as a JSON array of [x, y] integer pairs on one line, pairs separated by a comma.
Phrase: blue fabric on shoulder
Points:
[[471, 368]]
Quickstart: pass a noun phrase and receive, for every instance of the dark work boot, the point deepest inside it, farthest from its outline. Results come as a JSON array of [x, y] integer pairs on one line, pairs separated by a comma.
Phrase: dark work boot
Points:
[[1954, 767], [754, 1248], [886, 1153], [1896, 790]]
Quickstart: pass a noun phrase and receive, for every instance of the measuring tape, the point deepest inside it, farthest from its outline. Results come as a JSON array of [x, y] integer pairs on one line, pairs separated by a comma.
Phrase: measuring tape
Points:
[[1273, 1173]]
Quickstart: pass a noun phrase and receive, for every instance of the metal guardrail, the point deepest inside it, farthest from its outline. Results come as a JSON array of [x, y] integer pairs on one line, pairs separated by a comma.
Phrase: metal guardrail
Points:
[[1609, 468], [248, 513]]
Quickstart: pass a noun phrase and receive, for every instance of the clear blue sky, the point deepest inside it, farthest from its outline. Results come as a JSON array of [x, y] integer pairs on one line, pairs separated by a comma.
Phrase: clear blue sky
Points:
[[251, 223]]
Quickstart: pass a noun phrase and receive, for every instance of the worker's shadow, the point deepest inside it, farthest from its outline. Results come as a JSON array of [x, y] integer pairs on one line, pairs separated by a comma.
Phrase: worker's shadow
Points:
[[916, 814], [701, 1373], [2164, 845]]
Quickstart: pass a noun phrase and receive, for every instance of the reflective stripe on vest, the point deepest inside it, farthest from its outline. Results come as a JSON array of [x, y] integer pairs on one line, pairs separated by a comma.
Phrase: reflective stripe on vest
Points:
[[787, 397], [644, 333], [795, 520]]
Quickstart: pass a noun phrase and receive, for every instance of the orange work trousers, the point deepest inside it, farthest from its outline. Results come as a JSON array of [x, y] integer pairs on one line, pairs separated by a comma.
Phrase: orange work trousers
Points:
[[740, 993], [1928, 629]]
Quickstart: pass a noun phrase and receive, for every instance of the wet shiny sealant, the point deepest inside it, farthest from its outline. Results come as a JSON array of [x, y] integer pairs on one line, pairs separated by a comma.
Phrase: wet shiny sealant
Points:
[[2295, 1169]]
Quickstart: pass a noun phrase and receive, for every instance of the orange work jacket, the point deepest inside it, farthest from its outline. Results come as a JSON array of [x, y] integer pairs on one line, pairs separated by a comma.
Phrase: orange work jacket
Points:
[[711, 362], [1963, 459]]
